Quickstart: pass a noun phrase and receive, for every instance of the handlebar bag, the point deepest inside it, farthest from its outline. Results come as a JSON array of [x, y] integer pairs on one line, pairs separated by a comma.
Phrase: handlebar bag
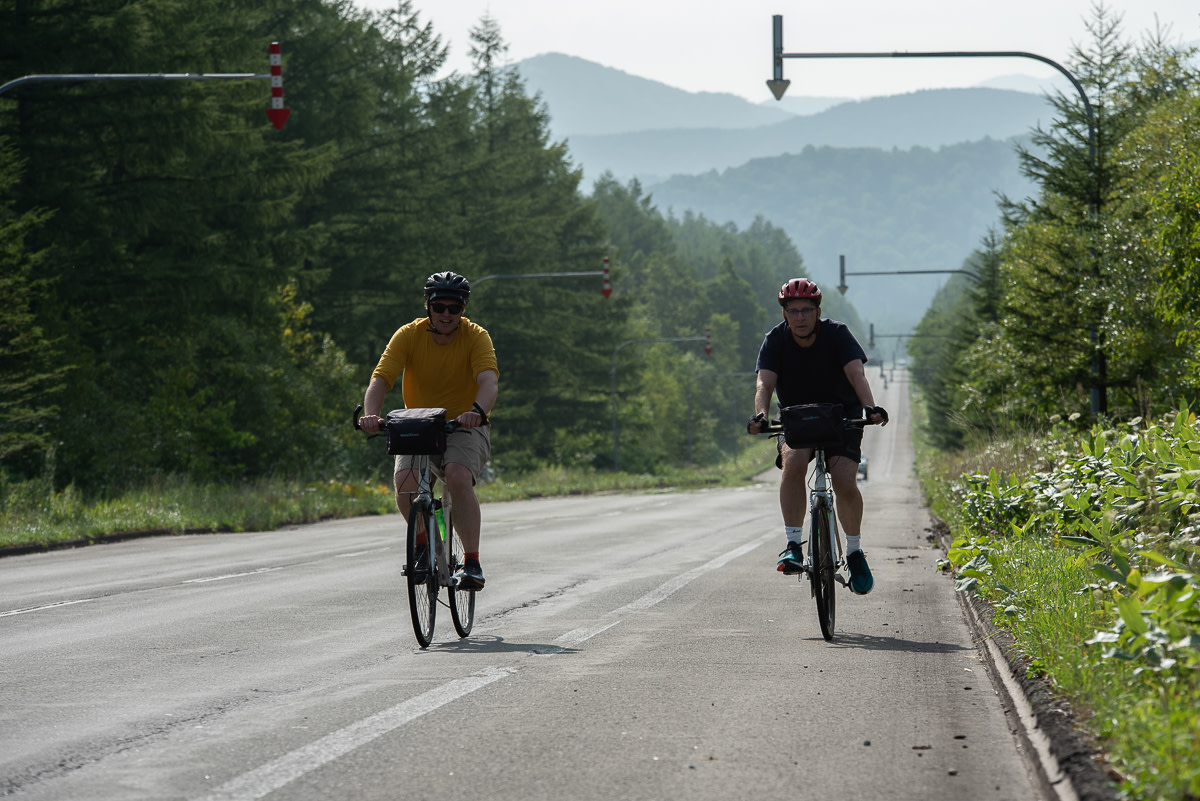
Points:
[[412, 432], [813, 425]]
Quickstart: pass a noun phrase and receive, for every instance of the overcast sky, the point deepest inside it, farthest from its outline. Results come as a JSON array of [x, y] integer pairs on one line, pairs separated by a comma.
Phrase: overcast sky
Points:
[[725, 45]]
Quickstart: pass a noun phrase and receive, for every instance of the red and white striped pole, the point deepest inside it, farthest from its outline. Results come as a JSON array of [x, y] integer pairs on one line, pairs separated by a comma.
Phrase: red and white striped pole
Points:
[[607, 290], [277, 113], [708, 342]]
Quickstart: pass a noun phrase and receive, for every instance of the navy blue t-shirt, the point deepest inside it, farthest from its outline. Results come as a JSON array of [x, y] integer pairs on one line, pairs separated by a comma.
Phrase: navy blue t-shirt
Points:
[[816, 374]]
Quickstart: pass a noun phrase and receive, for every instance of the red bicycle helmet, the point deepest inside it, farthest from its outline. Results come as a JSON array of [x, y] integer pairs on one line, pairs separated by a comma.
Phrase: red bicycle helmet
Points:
[[800, 288]]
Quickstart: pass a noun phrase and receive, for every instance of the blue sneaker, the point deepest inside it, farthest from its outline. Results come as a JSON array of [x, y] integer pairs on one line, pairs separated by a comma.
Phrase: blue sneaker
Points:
[[861, 581], [791, 559]]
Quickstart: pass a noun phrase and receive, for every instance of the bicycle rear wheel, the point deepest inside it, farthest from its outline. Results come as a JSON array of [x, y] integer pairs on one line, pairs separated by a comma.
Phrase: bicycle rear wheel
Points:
[[462, 602], [422, 578], [824, 583]]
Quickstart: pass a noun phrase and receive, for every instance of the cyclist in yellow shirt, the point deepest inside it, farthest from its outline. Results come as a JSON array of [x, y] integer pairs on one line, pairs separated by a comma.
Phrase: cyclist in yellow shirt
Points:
[[448, 362]]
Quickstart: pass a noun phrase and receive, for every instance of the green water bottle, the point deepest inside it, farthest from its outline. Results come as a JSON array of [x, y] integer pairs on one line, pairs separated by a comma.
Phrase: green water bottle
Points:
[[440, 517]]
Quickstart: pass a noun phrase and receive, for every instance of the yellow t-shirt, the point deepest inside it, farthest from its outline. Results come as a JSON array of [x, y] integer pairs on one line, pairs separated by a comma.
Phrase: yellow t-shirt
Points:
[[438, 375]]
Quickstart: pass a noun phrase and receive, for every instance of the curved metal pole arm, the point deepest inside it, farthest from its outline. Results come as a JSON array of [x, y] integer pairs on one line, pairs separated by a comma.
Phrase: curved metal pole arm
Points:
[[1087, 105], [150, 76], [478, 281]]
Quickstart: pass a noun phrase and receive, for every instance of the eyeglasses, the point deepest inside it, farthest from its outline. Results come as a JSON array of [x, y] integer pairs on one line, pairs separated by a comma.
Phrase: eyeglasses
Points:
[[441, 308], [806, 311]]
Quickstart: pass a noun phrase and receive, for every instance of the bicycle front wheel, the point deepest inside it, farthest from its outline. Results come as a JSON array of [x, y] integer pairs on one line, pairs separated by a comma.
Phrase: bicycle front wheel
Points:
[[824, 570], [462, 602], [421, 570]]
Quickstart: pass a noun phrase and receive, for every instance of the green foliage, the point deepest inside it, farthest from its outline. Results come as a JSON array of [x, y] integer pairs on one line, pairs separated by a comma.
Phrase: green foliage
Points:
[[913, 209], [683, 278], [167, 243], [943, 348], [32, 513], [31, 378], [1162, 153], [1090, 291], [218, 291], [1094, 562]]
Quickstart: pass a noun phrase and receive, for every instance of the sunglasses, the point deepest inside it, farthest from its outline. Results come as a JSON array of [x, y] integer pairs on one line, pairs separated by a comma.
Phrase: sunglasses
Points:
[[441, 308]]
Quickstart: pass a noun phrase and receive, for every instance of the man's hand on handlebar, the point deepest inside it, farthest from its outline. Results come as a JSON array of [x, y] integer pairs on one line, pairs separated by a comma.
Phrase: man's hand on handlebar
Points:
[[876, 414], [471, 419], [474, 418], [371, 423], [756, 423]]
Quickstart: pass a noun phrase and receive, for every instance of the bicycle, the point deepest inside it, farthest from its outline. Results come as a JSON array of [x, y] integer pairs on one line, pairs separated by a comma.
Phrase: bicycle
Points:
[[825, 558], [427, 569]]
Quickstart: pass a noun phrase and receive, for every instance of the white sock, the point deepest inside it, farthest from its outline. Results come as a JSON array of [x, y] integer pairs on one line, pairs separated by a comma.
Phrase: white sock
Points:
[[794, 533], [852, 544]]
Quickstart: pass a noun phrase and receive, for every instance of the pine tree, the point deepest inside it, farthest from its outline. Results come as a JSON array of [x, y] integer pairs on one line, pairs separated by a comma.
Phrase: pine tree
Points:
[[31, 367]]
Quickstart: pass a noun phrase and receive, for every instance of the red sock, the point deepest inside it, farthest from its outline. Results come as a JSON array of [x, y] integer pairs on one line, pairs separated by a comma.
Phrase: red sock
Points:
[[472, 555]]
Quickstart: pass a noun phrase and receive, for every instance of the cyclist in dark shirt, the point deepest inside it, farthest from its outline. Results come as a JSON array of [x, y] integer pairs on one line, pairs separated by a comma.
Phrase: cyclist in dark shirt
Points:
[[806, 359]]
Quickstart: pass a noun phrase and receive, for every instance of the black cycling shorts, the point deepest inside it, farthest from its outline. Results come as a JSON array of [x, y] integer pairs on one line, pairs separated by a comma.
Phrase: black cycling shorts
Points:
[[851, 448]]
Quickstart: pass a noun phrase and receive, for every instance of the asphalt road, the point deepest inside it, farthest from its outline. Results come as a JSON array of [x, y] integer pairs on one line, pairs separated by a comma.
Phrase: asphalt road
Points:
[[626, 647]]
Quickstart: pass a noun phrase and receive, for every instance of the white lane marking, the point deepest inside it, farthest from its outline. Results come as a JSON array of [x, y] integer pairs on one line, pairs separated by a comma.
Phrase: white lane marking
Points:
[[270, 777], [657, 595], [44, 606], [232, 575], [289, 767]]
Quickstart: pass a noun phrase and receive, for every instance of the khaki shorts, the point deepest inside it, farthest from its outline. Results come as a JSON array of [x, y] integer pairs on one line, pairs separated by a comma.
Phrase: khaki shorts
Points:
[[469, 447]]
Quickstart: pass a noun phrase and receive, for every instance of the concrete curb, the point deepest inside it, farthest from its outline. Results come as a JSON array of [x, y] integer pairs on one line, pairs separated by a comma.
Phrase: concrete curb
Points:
[[1065, 760]]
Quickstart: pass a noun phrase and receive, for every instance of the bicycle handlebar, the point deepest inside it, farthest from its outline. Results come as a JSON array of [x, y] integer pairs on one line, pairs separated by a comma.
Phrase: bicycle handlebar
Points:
[[451, 425], [776, 426]]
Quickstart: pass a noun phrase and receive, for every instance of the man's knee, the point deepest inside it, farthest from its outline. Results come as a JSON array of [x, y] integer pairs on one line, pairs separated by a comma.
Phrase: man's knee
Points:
[[458, 476]]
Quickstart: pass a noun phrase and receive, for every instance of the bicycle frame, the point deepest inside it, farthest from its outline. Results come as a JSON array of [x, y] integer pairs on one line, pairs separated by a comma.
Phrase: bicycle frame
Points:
[[426, 475]]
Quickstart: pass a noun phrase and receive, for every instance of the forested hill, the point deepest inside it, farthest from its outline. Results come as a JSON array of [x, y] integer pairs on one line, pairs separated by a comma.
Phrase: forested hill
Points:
[[885, 210]]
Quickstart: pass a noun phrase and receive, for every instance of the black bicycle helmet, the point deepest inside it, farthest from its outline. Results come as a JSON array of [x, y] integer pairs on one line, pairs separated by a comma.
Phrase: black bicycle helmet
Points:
[[799, 289], [447, 285]]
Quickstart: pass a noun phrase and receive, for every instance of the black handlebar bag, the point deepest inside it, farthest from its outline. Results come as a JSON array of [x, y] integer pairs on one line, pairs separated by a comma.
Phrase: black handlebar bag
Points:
[[415, 432], [813, 425]]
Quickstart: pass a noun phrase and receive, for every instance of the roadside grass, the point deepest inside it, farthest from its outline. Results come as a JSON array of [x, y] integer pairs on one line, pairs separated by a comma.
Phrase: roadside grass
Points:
[[32, 514], [1087, 544]]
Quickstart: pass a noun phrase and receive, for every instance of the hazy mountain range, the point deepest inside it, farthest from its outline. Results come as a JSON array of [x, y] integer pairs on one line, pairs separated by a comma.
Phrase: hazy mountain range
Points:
[[897, 182], [931, 118]]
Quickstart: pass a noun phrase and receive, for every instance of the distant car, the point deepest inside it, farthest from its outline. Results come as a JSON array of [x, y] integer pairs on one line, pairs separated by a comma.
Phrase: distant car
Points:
[[902, 364], [862, 469]]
